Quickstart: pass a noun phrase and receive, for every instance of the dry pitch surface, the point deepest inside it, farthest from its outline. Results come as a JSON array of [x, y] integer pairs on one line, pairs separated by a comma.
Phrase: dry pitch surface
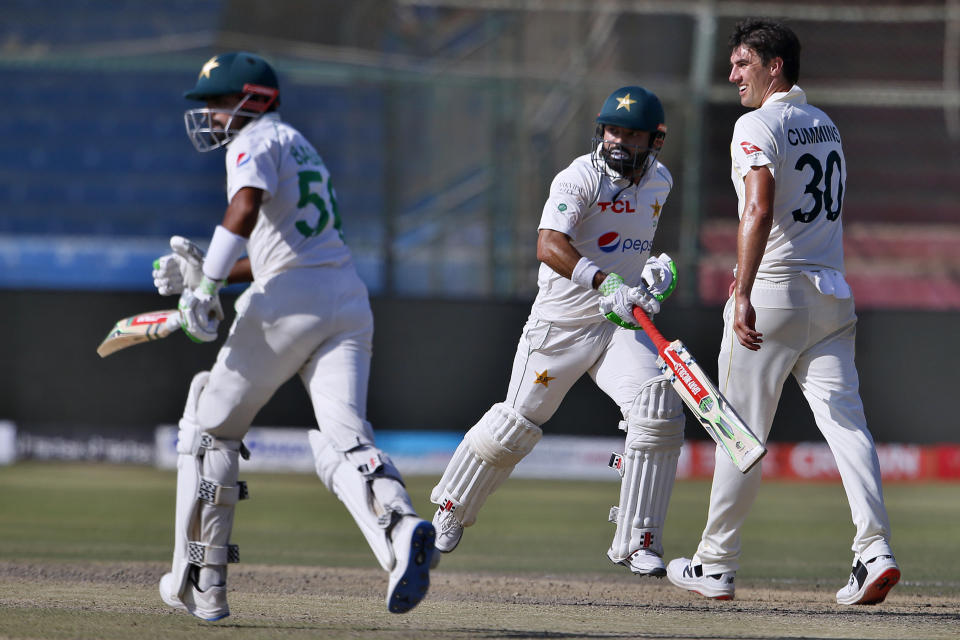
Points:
[[100, 600]]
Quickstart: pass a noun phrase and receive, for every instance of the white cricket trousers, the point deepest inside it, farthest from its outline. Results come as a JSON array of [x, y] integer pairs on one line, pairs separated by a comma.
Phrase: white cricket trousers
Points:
[[550, 358], [315, 322], [810, 335]]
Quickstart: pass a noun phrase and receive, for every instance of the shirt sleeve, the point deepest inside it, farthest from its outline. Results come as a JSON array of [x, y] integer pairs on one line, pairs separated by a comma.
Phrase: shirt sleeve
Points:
[[567, 203], [753, 145], [249, 164]]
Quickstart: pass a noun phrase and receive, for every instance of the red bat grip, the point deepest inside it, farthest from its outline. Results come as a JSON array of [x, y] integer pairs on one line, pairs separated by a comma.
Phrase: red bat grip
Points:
[[658, 340]]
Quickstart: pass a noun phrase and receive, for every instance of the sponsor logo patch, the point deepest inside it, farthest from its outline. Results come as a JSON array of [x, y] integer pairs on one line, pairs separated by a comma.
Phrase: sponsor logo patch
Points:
[[620, 206], [243, 158], [609, 242], [750, 148]]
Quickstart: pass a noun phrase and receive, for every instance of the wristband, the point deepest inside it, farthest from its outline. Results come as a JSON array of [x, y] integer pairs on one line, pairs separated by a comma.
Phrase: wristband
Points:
[[583, 273], [225, 249]]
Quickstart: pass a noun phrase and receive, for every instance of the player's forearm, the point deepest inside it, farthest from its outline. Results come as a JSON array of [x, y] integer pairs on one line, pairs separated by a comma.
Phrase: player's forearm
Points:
[[755, 224], [240, 218], [241, 272], [752, 238], [555, 250]]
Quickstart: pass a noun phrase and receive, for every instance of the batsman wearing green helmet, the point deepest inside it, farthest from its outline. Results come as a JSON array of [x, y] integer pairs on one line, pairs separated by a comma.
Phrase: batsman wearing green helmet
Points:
[[306, 312], [595, 238]]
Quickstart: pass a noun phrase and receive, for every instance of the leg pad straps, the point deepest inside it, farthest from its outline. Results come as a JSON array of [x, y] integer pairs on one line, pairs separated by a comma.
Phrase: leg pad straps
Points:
[[206, 555]]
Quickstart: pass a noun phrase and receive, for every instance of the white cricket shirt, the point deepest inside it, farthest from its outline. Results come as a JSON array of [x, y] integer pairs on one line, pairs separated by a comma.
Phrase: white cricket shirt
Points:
[[801, 146], [608, 220], [298, 225]]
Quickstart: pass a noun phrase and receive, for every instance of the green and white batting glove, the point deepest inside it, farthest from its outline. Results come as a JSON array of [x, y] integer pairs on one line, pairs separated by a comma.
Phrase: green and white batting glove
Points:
[[200, 310], [660, 276], [617, 301], [179, 270]]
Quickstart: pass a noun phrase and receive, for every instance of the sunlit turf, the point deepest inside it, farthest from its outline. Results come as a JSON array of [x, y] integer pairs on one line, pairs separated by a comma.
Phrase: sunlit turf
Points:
[[53, 512]]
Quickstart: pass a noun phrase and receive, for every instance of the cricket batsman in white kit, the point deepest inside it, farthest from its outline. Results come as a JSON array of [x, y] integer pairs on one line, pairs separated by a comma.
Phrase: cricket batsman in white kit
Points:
[[594, 242], [791, 312], [306, 312]]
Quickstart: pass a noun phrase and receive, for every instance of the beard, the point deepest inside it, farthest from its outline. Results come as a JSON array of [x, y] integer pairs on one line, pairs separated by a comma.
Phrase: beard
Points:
[[620, 158]]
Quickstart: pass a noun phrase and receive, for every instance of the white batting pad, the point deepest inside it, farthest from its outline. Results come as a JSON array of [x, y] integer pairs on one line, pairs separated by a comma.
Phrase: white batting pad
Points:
[[656, 416], [648, 468], [485, 458], [368, 484], [207, 494], [644, 497]]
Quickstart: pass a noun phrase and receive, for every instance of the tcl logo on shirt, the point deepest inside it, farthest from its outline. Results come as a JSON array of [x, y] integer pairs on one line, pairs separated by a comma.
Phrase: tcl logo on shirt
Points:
[[620, 206]]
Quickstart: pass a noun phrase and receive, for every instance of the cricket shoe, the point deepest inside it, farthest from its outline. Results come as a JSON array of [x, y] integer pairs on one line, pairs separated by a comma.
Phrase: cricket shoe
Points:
[[449, 530], [642, 562], [686, 575], [871, 582], [209, 605], [413, 548]]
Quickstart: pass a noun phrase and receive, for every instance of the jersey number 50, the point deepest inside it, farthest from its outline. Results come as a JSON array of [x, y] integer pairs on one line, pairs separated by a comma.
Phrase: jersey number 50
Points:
[[311, 197], [822, 198]]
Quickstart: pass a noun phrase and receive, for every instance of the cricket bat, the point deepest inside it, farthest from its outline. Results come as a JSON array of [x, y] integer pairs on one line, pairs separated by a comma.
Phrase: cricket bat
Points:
[[703, 398], [140, 328]]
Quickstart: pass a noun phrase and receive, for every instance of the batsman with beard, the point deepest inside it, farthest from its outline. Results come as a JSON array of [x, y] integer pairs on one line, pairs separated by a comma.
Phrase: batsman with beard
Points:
[[595, 236]]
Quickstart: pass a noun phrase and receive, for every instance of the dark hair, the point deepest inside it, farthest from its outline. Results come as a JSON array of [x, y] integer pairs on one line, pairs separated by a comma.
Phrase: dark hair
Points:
[[770, 39]]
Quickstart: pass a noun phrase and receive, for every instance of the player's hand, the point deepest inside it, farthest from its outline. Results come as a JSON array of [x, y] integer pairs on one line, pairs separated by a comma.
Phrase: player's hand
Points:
[[617, 301], [200, 311], [660, 276], [179, 270], [744, 323]]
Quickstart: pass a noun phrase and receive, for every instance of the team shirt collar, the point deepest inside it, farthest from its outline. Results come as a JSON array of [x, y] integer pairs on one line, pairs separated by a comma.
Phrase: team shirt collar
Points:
[[795, 95], [256, 123]]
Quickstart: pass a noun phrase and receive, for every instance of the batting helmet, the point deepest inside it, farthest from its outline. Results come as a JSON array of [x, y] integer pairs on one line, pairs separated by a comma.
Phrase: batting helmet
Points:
[[634, 108], [239, 73], [231, 73]]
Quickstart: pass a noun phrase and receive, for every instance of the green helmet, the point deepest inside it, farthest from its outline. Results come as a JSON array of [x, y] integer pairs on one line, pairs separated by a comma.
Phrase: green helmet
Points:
[[240, 73], [634, 108], [231, 73]]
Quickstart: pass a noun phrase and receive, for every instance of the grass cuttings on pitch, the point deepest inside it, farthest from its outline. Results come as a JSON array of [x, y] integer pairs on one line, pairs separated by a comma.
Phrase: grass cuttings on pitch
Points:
[[82, 546]]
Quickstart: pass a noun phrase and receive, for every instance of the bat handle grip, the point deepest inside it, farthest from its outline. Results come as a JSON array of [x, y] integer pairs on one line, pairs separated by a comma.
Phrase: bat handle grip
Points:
[[644, 320]]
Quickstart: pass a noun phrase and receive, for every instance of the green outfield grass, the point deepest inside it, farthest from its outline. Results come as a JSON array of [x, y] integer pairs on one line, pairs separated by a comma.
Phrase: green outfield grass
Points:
[[52, 512]]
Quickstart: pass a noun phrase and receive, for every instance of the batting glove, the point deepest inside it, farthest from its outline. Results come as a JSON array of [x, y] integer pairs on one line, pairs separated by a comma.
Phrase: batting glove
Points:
[[179, 270], [200, 310], [660, 276], [617, 301]]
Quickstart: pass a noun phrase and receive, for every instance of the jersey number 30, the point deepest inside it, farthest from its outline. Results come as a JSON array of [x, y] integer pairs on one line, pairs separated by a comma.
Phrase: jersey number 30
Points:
[[311, 197], [824, 198]]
